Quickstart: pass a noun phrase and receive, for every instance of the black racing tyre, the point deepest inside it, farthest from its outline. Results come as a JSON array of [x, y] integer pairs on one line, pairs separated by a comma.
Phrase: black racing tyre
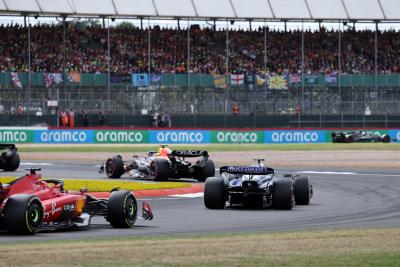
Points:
[[215, 193], [122, 209], [114, 167], [282, 194], [11, 160], [23, 214], [386, 138], [205, 169], [159, 169], [302, 192], [350, 139]]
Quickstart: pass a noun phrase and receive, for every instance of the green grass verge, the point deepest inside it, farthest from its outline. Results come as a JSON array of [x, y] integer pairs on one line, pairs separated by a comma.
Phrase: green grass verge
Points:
[[106, 186], [211, 148], [372, 247]]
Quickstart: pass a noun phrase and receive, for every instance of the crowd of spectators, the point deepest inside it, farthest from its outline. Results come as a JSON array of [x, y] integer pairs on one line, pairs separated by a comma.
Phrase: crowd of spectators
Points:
[[86, 50]]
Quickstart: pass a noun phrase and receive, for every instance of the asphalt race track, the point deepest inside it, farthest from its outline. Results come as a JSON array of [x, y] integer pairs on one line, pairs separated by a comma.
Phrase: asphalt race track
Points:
[[342, 199]]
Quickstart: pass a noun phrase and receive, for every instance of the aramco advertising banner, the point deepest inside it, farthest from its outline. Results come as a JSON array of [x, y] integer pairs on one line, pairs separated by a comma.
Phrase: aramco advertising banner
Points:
[[237, 137], [121, 137], [16, 136], [180, 137], [294, 136], [177, 136]]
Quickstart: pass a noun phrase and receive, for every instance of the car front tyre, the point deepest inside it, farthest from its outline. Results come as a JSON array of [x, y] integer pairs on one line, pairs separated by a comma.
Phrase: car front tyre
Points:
[[114, 167], [122, 209], [23, 214]]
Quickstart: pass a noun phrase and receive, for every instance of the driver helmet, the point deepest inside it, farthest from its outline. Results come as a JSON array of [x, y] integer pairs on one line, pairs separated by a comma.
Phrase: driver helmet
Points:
[[164, 151]]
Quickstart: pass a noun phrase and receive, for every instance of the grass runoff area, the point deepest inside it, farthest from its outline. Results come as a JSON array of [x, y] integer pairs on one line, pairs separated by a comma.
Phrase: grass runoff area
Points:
[[106, 186], [211, 148], [370, 247]]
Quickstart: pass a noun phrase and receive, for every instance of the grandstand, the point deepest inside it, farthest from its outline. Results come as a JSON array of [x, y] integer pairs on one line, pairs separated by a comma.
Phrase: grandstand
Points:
[[94, 58]]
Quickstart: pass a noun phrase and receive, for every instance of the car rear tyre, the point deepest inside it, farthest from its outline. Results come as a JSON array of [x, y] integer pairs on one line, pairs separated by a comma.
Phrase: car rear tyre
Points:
[[386, 138], [122, 209], [159, 169], [302, 192], [23, 214], [215, 193], [114, 167], [282, 194], [10, 160], [206, 168]]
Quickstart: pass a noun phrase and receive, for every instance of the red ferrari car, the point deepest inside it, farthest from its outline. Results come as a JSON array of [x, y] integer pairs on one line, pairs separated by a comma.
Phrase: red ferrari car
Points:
[[30, 204]]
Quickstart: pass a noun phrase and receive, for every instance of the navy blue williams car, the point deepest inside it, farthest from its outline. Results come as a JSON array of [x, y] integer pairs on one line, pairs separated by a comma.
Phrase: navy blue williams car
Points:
[[256, 186]]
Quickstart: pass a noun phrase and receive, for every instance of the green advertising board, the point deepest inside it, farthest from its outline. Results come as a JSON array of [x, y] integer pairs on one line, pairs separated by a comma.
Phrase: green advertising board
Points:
[[121, 137], [237, 137], [16, 136]]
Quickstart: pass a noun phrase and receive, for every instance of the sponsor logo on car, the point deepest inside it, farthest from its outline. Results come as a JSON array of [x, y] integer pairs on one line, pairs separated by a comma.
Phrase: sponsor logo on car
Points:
[[188, 153], [246, 169], [50, 211]]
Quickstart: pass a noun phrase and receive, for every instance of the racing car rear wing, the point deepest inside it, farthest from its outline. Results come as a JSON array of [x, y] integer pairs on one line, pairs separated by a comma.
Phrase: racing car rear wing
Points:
[[189, 153], [250, 170]]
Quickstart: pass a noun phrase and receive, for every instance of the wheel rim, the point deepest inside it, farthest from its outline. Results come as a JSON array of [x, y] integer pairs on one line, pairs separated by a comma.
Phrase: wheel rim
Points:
[[35, 216], [131, 209], [109, 167], [153, 169]]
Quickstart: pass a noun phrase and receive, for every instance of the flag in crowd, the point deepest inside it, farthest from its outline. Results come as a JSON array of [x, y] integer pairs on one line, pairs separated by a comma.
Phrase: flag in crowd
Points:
[[115, 78], [237, 79], [277, 82], [52, 78], [15, 80], [294, 78], [140, 80], [260, 80], [311, 79], [155, 79], [331, 78], [74, 77], [250, 81], [219, 81]]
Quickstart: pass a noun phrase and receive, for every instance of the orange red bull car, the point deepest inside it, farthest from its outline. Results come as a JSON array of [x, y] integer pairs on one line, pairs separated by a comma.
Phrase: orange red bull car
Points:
[[30, 204], [161, 165]]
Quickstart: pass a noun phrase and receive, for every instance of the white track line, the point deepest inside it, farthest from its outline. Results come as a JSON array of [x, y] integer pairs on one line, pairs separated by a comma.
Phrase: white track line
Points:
[[347, 173], [193, 195]]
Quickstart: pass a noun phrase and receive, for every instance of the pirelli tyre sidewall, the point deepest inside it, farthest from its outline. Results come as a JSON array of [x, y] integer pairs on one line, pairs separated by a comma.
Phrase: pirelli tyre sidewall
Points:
[[23, 214], [302, 190], [282, 194], [159, 169], [205, 169], [385, 138], [114, 167], [215, 193], [122, 209], [10, 160]]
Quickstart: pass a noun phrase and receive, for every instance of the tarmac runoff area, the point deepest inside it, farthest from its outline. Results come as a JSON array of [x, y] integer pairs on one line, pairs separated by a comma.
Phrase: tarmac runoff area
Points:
[[343, 199]]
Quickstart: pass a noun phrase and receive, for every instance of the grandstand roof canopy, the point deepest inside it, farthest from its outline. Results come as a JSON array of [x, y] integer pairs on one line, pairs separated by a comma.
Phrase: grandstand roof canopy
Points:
[[213, 9]]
